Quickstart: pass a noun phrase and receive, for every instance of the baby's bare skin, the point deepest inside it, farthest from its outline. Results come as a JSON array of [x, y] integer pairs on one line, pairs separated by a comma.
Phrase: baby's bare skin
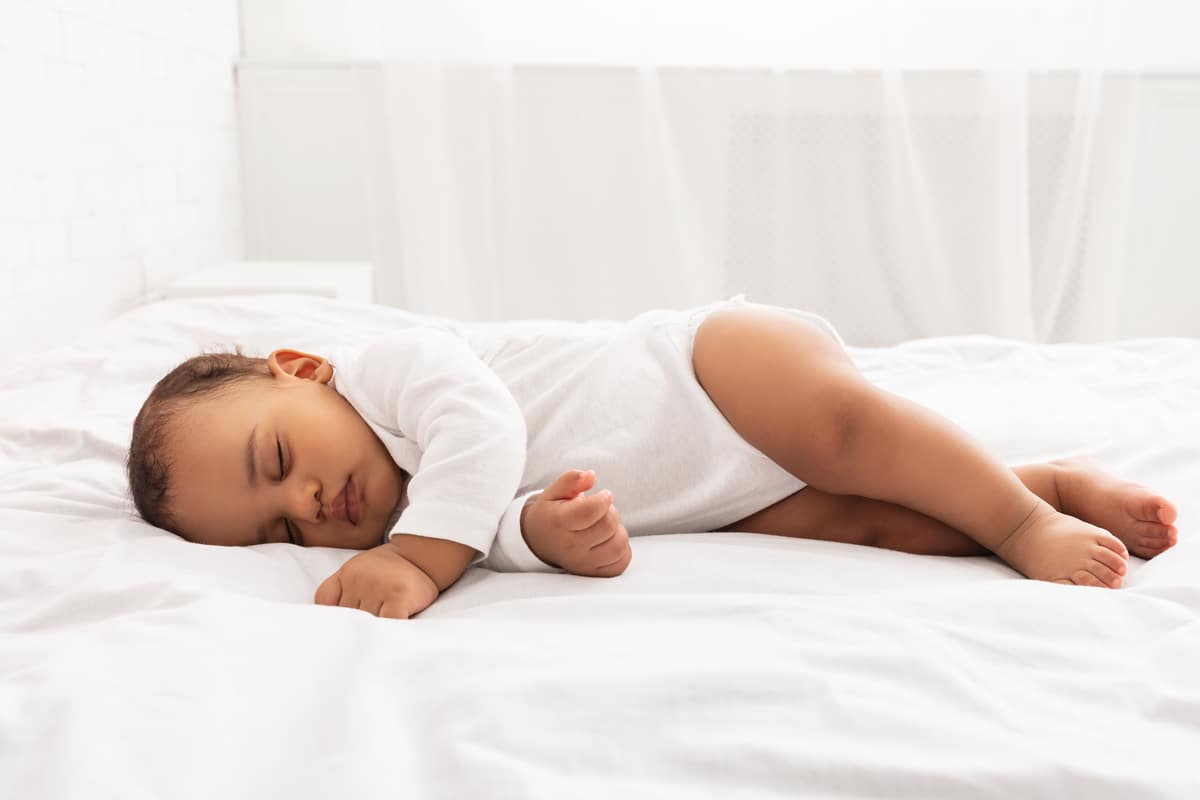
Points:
[[1141, 518], [1052, 546], [574, 531], [1102, 517], [1077, 486], [793, 393]]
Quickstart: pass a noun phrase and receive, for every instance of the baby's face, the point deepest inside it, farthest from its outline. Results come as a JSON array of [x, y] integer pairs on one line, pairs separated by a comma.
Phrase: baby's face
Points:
[[228, 487]]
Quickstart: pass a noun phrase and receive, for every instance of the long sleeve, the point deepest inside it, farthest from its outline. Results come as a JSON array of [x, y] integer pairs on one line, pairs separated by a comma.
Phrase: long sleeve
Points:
[[510, 552], [429, 387]]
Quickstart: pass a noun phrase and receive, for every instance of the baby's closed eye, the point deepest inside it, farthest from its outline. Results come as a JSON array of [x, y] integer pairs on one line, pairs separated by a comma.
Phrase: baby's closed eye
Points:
[[293, 538]]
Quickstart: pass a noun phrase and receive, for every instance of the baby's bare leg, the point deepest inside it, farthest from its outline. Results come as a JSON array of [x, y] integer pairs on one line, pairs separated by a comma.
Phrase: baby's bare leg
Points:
[[896, 527], [794, 394], [1079, 486], [852, 519]]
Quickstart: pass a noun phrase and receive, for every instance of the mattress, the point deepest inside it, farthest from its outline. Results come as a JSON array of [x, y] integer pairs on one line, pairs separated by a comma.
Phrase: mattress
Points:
[[134, 664]]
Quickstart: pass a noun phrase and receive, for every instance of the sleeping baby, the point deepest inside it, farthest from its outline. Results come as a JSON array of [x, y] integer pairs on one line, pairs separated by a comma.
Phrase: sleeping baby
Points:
[[437, 447]]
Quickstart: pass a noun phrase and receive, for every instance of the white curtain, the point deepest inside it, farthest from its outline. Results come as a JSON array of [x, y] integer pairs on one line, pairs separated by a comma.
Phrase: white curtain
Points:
[[906, 169]]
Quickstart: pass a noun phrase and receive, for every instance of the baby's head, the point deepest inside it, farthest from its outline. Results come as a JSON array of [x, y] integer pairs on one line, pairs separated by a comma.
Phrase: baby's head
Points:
[[204, 460]]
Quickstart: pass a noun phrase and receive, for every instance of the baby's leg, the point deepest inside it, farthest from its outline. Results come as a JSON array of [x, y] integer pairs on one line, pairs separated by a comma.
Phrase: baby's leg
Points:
[[1075, 486], [852, 519], [794, 394]]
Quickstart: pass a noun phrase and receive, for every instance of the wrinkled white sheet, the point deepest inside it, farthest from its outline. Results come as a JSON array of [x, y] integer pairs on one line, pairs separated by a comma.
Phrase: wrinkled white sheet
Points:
[[136, 665]]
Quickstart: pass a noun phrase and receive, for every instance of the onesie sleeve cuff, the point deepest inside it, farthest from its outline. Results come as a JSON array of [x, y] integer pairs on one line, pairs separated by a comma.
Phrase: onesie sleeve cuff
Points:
[[509, 552]]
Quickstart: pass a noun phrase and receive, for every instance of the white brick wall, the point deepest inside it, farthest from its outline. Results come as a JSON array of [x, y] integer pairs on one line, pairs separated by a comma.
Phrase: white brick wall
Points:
[[119, 165]]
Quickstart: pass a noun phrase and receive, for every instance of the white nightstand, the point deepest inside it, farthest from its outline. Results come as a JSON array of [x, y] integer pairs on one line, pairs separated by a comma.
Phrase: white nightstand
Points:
[[344, 280]]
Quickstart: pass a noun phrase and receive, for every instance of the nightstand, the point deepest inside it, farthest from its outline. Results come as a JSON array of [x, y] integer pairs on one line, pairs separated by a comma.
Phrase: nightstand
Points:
[[344, 280]]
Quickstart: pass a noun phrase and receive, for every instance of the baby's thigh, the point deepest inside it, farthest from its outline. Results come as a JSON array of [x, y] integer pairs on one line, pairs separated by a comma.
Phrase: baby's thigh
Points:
[[812, 514], [784, 385]]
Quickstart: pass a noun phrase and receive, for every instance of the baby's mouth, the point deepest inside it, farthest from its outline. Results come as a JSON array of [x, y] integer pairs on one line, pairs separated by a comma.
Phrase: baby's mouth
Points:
[[350, 497], [345, 505]]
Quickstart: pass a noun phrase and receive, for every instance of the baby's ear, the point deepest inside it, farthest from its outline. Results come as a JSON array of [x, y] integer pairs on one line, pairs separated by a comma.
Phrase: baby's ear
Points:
[[290, 363]]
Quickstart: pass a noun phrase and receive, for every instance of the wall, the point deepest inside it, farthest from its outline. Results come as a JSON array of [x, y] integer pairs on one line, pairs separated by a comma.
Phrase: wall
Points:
[[119, 156]]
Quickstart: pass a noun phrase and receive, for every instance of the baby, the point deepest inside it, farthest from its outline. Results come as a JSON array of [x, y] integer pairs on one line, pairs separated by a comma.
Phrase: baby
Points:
[[433, 451]]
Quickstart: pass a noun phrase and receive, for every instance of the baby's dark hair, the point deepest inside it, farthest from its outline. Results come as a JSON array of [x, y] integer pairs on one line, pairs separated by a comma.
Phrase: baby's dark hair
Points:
[[147, 467]]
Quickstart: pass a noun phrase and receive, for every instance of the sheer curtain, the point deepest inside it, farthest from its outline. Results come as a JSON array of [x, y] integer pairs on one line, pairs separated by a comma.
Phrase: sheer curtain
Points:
[[906, 169]]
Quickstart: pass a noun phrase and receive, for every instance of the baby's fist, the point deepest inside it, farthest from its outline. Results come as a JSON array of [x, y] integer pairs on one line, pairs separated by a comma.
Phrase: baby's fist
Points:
[[580, 533]]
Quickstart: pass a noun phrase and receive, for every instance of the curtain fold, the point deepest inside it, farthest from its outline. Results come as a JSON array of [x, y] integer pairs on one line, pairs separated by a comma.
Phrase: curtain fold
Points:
[[898, 200]]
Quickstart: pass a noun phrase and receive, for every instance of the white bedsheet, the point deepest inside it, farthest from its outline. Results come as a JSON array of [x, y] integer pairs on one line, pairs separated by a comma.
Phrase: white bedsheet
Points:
[[133, 664]]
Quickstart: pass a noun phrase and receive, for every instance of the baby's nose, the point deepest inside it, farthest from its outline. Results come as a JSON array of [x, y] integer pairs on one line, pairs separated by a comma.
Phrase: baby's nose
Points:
[[308, 507], [314, 496]]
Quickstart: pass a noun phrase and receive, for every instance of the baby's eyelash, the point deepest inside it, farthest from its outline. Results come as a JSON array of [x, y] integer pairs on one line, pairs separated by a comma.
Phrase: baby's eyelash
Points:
[[287, 526]]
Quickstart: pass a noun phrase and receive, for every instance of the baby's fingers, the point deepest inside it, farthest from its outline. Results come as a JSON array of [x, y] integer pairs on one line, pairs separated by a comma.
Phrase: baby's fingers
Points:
[[567, 485], [585, 510], [610, 554], [329, 593]]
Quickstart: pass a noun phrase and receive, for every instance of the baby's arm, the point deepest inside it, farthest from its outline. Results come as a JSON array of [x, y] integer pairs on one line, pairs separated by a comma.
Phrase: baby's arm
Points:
[[465, 430], [562, 526], [454, 417], [442, 560]]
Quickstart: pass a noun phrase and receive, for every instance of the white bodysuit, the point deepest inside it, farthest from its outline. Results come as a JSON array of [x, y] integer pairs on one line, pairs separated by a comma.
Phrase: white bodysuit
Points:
[[484, 415]]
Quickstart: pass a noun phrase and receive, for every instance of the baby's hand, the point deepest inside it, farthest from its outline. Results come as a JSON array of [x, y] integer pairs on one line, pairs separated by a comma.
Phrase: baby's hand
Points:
[[580, 533], [379, 581]]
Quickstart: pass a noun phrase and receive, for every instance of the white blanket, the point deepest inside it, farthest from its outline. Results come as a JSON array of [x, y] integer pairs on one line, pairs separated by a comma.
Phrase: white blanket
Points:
[[133, 664]]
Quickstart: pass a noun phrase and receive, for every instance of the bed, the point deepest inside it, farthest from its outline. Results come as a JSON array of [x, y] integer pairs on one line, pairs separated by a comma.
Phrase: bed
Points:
[[137, 665]]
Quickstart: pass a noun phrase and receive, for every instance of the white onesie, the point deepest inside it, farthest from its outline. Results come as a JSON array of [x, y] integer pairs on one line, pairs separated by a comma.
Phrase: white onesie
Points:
[[484, 415]]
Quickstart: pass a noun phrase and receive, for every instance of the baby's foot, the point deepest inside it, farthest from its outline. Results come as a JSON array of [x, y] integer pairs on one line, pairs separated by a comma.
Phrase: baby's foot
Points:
[[1131, 512], [1057, 547]]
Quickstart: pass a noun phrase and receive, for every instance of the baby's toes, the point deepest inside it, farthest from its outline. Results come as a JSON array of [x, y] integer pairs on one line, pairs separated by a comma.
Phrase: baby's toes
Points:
[[1150, 539], [1107, 540], [1107, 577], [1113, 561], [1143, 504], [1085, 577]]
